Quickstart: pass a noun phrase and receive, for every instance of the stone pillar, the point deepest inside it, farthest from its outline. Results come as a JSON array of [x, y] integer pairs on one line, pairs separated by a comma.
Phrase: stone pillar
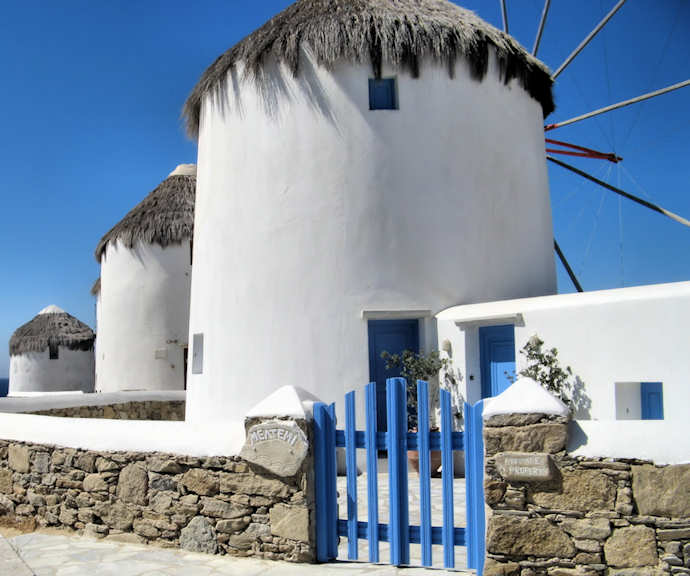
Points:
[[557, 515]]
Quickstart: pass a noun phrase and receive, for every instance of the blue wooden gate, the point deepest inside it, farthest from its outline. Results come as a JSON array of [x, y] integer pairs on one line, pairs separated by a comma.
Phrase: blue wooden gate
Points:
[[397, 441]]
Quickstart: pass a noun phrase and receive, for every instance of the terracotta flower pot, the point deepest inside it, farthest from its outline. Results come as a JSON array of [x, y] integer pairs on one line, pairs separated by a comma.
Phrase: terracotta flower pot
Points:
[[413, 462]]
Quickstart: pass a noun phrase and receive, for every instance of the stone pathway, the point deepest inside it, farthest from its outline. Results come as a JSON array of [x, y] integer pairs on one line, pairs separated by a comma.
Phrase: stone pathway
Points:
[[413, 503], [63, 554]]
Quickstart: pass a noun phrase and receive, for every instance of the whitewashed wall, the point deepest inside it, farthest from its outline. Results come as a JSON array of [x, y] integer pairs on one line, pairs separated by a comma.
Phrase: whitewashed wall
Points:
[[311, 209], [143, 317], [35, 372], [627, 335]]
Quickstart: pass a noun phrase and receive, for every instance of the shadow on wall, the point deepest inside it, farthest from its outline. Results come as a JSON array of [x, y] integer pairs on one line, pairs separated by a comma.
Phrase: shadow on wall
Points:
[[273, 88], [581, 402]]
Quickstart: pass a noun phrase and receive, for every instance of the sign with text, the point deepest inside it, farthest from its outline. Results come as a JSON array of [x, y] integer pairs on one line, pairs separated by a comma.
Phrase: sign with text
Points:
[[524, 467], [279, 446]]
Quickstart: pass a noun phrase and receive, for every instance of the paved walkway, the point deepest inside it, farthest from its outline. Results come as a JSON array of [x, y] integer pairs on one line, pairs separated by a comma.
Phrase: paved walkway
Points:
[[63, 554]]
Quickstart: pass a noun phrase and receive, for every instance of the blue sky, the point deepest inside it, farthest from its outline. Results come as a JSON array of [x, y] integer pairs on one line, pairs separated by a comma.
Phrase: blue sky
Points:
[[90, 122]]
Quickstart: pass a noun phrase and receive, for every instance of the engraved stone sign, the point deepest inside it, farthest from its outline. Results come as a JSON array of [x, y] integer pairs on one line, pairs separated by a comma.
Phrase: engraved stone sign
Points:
[[279, 446], [525, 467]]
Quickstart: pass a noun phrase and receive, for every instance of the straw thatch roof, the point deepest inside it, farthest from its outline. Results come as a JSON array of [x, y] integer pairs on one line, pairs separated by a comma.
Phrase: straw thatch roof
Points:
[[52, 327], [164, 217], [96, 288], [400, 32]]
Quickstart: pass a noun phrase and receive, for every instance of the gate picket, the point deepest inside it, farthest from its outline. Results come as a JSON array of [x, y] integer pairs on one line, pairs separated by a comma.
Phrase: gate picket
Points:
[[372, 475], [351, 463], [424, 470], [397, 470], [447, 479], [397, 441]]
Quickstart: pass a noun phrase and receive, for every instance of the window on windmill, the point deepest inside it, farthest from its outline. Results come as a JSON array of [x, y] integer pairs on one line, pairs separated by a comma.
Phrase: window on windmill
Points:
[[53, 353], [383, 94]]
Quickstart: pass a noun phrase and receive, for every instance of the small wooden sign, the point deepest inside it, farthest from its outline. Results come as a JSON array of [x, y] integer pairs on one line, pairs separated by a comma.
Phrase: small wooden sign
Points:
[[279, 446], [525, 467]]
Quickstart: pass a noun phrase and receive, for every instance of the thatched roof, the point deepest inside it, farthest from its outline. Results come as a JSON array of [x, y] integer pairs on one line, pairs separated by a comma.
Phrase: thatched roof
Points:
[[96, 288], [51, 327], [400, 32], [164, 217]]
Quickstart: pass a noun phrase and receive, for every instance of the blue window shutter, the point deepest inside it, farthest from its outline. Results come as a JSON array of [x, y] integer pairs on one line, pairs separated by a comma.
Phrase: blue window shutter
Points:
[[652, 400], [382, 94]]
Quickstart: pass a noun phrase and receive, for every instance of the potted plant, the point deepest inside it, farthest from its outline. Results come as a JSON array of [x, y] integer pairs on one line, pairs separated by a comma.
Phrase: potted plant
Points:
[[415, 366]]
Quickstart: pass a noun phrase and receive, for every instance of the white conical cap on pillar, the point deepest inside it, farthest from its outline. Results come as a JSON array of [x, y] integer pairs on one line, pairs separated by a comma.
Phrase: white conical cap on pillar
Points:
[[525, 396], [291, 401]]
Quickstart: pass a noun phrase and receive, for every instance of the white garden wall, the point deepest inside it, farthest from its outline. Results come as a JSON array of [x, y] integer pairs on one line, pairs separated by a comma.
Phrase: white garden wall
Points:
[[143, 317], [314, 213]]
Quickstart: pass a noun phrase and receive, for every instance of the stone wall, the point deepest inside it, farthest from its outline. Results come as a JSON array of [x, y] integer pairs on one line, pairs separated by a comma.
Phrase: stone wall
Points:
[[214, 505], [144, 410], [558, 515]]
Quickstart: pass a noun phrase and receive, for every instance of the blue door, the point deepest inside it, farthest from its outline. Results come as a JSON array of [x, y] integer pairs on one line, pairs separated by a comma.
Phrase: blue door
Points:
[[393, 336], [652, 401], [497, 356]]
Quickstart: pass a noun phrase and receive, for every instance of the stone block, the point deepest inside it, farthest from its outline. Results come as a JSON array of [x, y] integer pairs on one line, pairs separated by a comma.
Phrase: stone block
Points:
[[199, 536], [18, 458], [587, 529], [673, 534], [517, 536], [581, 490], [631, 547], [160, 502], [146, 529], [253, 533], [132, 485], [662, 491], [105, 465], [495, 568], [291, 522], [94, 483], [5, 481], [249, 483], [549, 438], [40, 462], [203, 482], [85, 461], [117, 516], [232, 526], [219, 509], [164, 466]]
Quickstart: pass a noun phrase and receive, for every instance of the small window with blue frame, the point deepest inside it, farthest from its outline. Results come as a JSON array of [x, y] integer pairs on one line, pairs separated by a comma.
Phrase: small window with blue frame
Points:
[[383, 94]]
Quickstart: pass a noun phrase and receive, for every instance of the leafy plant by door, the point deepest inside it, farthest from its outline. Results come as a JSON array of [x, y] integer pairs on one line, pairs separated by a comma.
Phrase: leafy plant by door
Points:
[[415, 366]]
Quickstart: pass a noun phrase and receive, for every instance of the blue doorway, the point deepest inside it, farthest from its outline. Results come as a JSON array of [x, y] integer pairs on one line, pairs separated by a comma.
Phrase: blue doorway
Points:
[[393, 336], [497, 357]]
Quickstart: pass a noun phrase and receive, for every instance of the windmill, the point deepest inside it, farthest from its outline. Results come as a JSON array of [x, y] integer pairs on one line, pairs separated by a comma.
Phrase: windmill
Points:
[[559, 149]]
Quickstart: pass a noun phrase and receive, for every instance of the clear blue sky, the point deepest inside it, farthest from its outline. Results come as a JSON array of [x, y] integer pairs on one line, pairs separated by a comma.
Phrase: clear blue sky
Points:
[[89, 116]]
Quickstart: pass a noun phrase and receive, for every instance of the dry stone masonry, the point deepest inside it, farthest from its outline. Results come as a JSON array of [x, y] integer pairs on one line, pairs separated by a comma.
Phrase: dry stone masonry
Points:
[[556, 515], [215, 505], [146, 410]]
